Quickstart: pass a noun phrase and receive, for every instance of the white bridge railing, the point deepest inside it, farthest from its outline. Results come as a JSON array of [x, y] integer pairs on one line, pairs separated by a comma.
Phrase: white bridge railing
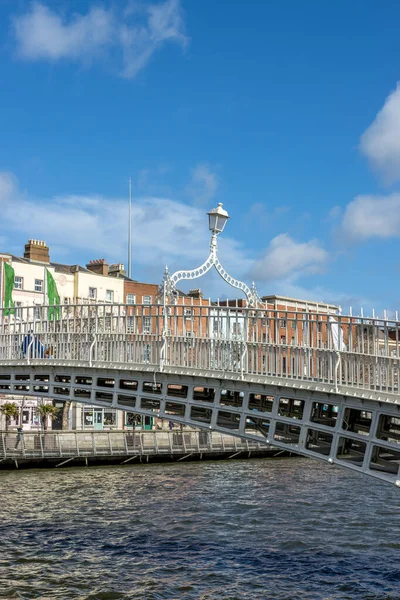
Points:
[[67, 445], [303, 345]]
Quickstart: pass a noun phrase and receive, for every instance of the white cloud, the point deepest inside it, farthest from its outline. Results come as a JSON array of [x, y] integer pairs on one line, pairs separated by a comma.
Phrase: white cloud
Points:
[[43, 34], [164, 24], [164, 231], [203, 185], [371, 217], [7, 186], [287, 259], [380, 143]]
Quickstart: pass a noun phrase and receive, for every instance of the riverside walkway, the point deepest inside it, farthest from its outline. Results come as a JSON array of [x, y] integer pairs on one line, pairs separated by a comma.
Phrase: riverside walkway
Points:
[[69, 448], [309, 382]]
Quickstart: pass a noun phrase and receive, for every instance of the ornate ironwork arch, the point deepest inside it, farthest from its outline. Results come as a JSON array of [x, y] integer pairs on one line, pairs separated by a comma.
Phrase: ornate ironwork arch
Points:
[[169, 283]]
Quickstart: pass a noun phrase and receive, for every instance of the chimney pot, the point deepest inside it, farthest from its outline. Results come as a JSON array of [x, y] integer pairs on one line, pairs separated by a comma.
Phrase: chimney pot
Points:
[[37, 251]]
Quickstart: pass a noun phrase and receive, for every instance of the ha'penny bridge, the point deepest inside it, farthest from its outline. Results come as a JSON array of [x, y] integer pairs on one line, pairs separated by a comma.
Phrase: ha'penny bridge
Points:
[[317, 384]]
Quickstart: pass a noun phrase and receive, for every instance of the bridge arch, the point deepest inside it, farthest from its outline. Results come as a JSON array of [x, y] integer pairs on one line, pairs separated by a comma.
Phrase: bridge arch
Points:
[[354, 432]]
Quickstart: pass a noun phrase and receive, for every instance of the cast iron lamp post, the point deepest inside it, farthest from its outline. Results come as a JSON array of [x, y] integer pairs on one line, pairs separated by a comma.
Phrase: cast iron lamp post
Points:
[[217, 218]]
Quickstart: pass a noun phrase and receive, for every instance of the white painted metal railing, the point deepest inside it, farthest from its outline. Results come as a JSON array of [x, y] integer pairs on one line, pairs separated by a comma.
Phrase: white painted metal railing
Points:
[[97, 444], [288, 344]]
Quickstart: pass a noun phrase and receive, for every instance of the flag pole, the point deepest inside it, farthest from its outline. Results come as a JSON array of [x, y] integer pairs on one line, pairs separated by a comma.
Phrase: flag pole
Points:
[[2, 284], [130, 230], [44, 316], [2, 289]]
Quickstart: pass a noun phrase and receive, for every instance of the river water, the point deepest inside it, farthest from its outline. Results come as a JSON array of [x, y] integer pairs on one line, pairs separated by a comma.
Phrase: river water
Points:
[[257, 529]]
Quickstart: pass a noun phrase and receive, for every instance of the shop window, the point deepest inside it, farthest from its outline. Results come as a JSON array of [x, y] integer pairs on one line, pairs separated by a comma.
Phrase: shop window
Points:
[[110, 418]]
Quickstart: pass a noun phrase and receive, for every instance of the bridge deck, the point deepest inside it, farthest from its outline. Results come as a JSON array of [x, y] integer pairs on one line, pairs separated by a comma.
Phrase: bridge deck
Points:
[[332, 393]]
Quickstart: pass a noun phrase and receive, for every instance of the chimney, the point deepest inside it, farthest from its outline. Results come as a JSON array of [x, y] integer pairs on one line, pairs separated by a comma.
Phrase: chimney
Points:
[[116, 270], [99, 266], [196, 293], [36, 250]]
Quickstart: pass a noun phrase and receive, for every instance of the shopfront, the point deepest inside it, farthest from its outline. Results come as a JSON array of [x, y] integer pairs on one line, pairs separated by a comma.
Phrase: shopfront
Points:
[[133, 421], [30, 414], [98, 418]]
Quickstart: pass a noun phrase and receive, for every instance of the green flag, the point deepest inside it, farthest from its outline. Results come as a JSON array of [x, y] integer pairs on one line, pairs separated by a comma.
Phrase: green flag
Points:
[[8, 288], [52, 296]]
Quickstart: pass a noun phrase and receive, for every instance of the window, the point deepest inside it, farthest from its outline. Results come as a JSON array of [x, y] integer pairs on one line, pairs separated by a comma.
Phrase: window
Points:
[[283, 339], [18, 310], [109, 296], [92, 292], [189, 334], [294, 324], [18, 283], [283, 322], [110, 417], [38, 285], [147, 353], [37, 312], [236, 328], [319, 325], [146, 325], [188, 313], [131, 298], [146, 299], [130, 324]]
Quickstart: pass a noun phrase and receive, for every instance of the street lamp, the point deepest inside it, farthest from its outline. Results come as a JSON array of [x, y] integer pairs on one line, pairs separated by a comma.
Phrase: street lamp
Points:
[[217, 218]]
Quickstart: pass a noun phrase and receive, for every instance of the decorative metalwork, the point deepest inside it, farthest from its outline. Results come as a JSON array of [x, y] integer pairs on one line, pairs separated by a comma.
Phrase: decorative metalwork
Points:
[[169, 283], [297, 391]]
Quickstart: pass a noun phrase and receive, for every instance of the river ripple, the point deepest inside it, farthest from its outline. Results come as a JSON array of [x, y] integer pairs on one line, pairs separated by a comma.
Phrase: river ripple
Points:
[[257, 529]]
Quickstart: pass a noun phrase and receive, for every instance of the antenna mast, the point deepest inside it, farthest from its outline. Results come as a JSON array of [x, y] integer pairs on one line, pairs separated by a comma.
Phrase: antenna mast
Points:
[[130, 230]]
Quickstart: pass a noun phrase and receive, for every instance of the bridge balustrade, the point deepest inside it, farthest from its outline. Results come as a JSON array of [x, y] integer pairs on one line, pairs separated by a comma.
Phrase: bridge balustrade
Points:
[[295, 345]]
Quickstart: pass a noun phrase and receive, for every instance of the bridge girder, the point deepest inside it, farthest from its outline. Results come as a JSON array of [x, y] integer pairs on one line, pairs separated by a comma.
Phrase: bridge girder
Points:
[[352, 432]]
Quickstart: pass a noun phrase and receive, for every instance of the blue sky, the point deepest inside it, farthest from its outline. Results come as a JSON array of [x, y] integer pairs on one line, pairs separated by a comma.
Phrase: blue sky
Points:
[[287, 112]]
